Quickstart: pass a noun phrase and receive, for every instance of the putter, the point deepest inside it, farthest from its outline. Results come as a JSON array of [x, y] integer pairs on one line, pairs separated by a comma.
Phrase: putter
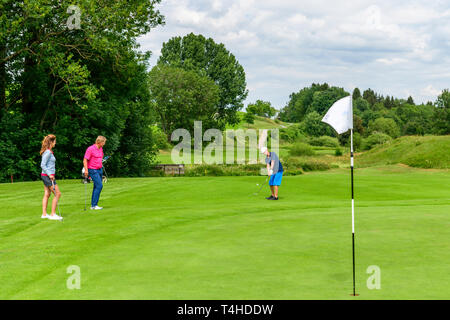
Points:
[[262, 185], [57, 203], [85, 194]]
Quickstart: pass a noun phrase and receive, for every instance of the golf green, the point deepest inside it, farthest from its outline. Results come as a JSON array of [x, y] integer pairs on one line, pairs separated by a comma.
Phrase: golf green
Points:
[[211, 238]]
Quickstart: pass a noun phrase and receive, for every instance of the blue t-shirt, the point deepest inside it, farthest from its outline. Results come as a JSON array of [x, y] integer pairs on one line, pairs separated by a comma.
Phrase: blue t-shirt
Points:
[[277, 166]]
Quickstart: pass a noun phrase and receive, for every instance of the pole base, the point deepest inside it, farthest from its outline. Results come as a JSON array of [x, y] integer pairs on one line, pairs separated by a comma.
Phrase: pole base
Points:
[[354, 295]]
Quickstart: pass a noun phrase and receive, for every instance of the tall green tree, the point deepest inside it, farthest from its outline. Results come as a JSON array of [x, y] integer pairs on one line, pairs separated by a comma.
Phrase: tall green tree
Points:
[[181, 97], [74, 82], [249, 118], [442, 113], [262, 109], [208, 58]]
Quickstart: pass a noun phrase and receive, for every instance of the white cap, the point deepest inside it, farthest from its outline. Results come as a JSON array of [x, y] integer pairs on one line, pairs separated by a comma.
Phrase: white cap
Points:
[[263, 149]]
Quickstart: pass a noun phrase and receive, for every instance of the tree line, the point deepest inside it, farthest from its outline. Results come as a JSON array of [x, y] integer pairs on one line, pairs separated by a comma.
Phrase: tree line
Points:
[[373, 113], [78, 83]]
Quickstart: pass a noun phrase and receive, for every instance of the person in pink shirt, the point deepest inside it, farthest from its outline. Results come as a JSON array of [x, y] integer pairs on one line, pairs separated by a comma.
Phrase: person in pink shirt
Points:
[[93, 167]]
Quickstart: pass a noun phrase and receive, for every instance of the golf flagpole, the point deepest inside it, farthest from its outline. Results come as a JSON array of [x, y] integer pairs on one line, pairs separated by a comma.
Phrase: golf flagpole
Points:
[[340, 117], [353, 211]]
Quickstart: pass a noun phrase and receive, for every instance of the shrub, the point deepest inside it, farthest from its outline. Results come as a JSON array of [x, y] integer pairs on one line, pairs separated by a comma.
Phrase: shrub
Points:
[[375, 139], [301, 149], [338, 152], [315, 165], [384, 125], [160, 138], [324, 141]]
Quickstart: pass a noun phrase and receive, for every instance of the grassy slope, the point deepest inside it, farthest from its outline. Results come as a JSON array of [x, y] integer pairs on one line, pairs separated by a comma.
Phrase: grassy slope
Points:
[[161, 238], [164, 156], [259, 123], [415, 151]]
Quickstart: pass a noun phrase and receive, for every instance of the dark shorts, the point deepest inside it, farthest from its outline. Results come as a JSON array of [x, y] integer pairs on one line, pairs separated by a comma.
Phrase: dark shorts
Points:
[[47, 181]]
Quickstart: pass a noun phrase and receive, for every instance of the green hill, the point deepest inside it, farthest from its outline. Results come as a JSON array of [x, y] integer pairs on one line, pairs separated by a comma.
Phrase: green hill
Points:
[[260, 123], [414, 151]]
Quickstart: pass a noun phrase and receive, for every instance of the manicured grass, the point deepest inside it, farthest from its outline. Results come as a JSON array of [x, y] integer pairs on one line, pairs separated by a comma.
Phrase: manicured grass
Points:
[[210, 238]]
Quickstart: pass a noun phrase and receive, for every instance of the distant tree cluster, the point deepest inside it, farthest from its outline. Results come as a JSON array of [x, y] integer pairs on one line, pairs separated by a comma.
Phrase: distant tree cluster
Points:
[[373, 113], [262, 109]]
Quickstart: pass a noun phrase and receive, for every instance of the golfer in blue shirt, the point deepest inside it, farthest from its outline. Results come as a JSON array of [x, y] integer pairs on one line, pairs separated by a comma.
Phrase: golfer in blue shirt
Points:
[[275, 172]]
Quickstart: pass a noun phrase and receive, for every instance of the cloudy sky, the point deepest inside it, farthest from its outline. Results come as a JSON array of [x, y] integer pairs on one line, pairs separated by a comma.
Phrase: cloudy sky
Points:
[[398, 48]]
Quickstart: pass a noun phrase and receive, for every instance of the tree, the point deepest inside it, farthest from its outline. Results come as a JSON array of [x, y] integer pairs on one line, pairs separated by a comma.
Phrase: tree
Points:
[[324, 99], [181, 97], [318, 97], [370, 96], [312, 125], [384, 125], [262, 109], [410, 101], [207, 58], [356, 94], [249, 118], [441, 123], [361, 104], [75, 83]]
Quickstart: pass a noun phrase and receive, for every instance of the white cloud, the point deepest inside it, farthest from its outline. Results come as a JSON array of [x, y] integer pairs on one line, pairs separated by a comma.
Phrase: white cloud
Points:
[[391, 47], [430, 91]]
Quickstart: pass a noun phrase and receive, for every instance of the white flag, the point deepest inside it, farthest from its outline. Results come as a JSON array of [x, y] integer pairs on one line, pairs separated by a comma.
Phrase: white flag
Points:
[[340, 115]]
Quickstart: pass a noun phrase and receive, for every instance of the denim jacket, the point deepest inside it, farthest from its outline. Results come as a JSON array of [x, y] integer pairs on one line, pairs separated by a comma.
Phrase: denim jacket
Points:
[[48, 163]]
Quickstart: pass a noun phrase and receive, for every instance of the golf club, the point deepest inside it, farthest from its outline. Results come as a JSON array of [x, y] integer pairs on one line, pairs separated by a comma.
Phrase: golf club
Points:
[[105, 177], [85, 181], [262, 185], [57, 203]]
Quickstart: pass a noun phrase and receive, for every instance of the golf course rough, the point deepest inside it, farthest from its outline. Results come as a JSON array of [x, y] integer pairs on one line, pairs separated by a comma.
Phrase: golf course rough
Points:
[[210, 238]]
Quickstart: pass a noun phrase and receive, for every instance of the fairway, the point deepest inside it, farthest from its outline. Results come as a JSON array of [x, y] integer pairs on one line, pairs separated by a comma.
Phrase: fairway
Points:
[[211, 238]]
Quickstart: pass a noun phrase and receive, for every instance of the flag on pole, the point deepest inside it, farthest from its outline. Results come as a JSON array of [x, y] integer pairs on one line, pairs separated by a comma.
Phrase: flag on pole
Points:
[[340, 115]]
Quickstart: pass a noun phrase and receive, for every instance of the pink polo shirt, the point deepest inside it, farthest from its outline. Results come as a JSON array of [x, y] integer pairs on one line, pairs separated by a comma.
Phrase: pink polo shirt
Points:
[[94, 157]]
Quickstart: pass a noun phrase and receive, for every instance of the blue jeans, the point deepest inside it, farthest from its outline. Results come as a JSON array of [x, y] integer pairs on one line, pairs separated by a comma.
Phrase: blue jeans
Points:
[[97, 176]]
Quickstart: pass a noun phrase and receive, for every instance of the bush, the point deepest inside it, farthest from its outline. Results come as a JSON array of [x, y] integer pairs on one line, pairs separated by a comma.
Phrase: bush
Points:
[[338, 152], [375, 139], [324, 141], [290, 134], [384, 125], [314, 165], [292, 165], [301, 149], [204, 170], [160, 138]]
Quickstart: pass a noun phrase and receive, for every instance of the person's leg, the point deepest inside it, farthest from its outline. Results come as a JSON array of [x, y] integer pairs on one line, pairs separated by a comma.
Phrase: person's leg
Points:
[[275, 191], [97, 179], [277, 182], [272, 190], [57, 194], [45, 200]]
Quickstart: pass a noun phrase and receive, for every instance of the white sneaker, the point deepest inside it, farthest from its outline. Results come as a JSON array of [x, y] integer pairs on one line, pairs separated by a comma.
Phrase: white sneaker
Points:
[[45, 217], [96, 208], [55, 217]]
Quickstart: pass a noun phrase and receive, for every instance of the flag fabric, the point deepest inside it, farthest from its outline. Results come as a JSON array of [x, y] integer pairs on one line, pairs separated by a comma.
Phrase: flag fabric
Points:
[[340, 115]]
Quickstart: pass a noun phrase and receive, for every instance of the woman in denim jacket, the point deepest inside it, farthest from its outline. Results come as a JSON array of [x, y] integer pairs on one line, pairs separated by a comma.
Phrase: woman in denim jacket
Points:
[[48, 177]]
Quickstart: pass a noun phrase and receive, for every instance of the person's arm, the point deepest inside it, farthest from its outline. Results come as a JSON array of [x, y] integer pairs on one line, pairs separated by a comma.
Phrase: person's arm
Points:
[[268, 170], [44, 161], [87, 156], [85, 164]]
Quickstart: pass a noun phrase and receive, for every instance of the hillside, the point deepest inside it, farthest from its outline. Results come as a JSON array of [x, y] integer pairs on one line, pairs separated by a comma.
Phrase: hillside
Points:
[[414, 151], [260, 123]]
